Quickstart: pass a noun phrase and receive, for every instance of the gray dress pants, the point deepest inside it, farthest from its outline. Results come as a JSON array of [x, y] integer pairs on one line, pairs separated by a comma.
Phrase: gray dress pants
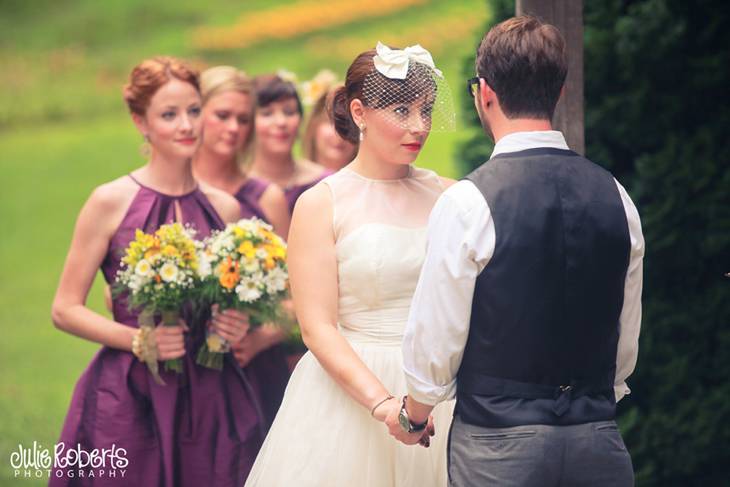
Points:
[[590, 454]]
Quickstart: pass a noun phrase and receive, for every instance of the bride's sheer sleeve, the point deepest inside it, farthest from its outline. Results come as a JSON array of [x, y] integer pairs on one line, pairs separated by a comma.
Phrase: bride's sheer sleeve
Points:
[[313, 275]]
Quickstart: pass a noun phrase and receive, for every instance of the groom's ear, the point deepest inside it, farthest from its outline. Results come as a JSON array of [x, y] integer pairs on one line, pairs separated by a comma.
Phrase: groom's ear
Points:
[[487, 96]]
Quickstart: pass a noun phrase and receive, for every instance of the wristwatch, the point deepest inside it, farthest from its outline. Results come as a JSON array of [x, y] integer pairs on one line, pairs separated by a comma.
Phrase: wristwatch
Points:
[[405, 422]]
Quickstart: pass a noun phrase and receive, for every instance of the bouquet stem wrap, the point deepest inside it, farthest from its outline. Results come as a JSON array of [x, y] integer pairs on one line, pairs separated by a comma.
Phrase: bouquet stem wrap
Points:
[[146, 321], [172, 318], [211, 352]]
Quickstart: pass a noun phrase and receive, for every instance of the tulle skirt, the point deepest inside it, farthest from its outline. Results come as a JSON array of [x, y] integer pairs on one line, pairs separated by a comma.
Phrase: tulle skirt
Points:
[[322, 437]]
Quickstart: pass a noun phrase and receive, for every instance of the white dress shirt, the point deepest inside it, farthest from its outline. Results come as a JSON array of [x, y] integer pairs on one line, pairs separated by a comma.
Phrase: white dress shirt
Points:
[[461, 241]]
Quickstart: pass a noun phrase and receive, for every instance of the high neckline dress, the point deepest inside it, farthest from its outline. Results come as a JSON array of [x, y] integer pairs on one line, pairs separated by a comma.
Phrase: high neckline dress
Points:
[[321, 436]]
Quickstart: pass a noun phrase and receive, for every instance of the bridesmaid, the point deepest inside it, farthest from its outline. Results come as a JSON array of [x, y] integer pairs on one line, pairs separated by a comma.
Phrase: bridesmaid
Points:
[[227, 96], [203, 426], [277, 121], [321, 142], [227, 121]]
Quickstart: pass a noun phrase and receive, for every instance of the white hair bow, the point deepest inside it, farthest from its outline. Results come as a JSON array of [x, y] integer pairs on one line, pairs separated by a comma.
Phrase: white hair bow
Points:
[[393, 63]]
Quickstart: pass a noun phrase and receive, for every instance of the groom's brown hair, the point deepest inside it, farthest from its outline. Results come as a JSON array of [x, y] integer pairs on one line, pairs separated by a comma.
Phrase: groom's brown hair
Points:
[[523, 60]]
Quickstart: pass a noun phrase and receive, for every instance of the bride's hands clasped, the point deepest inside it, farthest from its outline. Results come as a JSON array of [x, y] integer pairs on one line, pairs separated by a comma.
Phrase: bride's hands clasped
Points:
[[383, 410], [389, 413]]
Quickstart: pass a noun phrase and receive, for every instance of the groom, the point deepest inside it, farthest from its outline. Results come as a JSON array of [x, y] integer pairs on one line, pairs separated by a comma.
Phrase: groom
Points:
[[529, 302]]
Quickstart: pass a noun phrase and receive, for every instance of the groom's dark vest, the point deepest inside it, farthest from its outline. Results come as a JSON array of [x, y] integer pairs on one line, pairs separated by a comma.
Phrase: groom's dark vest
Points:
[[545, 316]]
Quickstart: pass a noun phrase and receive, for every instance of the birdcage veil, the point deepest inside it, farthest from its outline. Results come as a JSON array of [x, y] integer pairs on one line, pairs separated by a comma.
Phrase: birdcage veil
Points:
[[409, 90]]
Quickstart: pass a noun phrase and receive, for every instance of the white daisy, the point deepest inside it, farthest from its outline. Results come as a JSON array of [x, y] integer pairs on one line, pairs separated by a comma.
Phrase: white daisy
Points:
[[276, 280], [168, 272], [248, 290], [204, 267], [251, 266], [143, 268]]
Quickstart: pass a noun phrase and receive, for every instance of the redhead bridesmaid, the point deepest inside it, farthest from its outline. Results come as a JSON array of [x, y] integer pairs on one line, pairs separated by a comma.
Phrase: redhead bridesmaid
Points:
[[204, 426]]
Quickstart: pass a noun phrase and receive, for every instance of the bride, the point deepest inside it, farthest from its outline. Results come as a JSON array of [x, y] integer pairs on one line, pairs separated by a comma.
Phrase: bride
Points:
[[356, 245]]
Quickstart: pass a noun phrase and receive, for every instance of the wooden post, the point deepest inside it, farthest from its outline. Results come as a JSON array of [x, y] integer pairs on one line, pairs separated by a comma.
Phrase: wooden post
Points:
[[566, 15]]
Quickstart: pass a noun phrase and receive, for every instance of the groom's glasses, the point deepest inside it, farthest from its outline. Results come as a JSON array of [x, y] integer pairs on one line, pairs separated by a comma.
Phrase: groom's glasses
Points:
[[472, 86]]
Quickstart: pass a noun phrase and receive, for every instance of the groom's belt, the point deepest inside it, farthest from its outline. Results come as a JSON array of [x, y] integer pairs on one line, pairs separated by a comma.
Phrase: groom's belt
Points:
[[562, 394]]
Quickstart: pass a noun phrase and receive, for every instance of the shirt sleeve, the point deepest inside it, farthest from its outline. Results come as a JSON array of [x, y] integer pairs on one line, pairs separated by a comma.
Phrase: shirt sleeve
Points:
[[461, 241], [630, 319]]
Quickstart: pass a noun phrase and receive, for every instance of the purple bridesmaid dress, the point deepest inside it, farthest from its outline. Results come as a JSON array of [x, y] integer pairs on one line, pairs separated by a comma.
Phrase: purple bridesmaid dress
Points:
[[293, 193], [202, 428], [269, 368]]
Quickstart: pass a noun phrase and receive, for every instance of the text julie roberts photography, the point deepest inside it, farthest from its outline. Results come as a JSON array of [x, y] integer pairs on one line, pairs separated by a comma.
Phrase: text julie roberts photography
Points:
[[63, 460]]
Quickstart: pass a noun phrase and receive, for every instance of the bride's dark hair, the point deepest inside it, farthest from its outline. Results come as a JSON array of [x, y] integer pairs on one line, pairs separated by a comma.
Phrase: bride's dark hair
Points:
[[340, 108]]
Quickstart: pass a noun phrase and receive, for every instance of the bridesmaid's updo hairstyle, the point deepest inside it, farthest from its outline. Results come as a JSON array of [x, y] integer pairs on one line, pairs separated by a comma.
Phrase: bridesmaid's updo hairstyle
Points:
[[271, 87], [150, 75], [339, 110], [223, 79]]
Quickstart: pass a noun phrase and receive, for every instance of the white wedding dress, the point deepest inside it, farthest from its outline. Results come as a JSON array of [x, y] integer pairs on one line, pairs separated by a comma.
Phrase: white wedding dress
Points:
[[321, 436]]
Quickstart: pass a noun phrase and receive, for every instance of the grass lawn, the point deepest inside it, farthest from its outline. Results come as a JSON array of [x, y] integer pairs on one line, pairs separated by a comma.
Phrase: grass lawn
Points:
[[64, 130]]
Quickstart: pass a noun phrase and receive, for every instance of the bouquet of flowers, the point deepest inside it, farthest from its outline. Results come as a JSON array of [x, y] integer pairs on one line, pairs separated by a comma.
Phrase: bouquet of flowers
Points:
[[242, 267], [159, 273]]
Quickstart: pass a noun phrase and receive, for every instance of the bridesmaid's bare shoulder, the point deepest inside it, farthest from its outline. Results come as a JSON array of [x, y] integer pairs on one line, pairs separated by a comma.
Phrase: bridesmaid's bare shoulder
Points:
[[225, 204], [273, 196], [113, 199], [109, 202], [115, 192]]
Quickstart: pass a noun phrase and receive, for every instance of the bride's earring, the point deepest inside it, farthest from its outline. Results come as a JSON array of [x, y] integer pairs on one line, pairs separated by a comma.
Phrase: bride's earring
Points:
[[362, 132]]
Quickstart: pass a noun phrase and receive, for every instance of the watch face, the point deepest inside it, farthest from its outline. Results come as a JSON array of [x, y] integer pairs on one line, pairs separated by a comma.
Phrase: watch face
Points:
[[403, 420]]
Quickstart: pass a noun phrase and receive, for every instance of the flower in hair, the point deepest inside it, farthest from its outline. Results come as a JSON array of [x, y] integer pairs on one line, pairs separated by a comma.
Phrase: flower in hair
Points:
[[313, 89], [287, 76], [393, 63]]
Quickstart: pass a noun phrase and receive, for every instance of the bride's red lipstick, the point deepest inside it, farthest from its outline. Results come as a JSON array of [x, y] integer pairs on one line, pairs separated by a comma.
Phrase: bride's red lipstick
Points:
[[415, 146]]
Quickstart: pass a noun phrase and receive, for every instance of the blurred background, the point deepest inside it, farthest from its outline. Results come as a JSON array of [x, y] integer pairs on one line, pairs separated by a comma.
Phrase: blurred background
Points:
[[656, 78]]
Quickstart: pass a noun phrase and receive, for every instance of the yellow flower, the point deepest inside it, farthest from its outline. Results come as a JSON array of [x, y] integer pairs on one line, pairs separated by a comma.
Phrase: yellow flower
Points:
[[270, 236], [246, 248], [275, 251], [151, 253], [170, 251], [214, 342]]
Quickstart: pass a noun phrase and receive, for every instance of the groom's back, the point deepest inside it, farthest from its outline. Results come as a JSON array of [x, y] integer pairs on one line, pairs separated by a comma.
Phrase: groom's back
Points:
[[546, 307]]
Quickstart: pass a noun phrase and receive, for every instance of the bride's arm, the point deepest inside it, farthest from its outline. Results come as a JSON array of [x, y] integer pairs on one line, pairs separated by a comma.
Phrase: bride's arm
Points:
[[313, 274]]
